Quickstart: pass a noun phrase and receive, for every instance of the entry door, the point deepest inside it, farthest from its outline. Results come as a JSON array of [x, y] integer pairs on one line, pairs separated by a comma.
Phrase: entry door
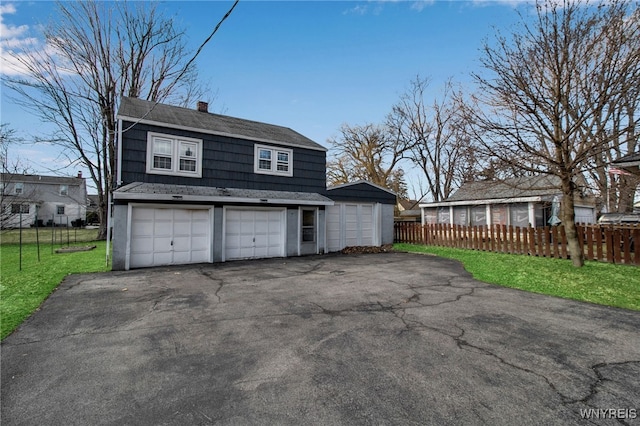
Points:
[[253, 234], [167, 236]]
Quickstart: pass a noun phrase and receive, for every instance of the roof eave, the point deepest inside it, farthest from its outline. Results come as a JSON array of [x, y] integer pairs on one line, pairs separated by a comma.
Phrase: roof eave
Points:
[[216, 199], [485, 201]]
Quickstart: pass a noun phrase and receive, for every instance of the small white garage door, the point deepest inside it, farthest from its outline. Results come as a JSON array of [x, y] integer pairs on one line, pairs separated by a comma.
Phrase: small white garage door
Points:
[[350, 225], [254, 234], [167, 236]]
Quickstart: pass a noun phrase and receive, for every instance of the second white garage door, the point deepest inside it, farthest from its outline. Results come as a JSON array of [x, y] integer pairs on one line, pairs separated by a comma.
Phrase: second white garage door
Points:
[[253, 234]]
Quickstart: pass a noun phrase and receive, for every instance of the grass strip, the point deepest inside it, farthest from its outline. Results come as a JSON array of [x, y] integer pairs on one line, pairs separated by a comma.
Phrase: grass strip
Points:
[[596, 282], [22, 292]]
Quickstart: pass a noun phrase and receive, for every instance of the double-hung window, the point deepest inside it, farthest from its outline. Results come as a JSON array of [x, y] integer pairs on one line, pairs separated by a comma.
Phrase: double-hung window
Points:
[[18, 188], [171, 155], [64, 190], [273, 161], [19, 208]]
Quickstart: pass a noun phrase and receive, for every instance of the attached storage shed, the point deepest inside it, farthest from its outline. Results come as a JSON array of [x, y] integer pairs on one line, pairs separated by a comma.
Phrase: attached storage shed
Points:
[[362, 215]]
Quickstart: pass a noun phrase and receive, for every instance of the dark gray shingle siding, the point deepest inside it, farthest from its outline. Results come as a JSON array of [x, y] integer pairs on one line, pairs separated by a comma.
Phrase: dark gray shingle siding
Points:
[[227, 162]]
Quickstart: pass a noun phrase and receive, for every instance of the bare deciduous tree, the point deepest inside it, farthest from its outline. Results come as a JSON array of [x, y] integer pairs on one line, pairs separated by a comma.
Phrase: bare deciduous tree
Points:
[[369, 152], [440, 147], [549, 92], [11, 204], [95, 53]]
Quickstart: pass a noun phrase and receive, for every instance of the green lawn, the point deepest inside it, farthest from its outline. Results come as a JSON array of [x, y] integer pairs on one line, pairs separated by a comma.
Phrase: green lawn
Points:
[[22, 292], [596, 282]]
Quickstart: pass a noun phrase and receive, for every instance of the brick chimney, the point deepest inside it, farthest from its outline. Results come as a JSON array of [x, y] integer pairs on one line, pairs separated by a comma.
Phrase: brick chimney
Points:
[[80, 174], [203, 106]]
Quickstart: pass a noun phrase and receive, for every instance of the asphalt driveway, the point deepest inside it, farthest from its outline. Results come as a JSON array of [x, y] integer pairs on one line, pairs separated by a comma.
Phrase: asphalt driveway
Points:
[[386, 338]]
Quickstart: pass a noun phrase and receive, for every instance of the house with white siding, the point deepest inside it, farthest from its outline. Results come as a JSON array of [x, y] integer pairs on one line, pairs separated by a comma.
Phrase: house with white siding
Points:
[[51, 200], [521, 202]]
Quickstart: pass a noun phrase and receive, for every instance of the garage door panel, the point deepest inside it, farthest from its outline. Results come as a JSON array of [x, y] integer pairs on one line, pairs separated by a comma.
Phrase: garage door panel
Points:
[[333, 227], [366, 225], [181, 243], [143, 213], [143, 229], [162, 258], [142, 259]]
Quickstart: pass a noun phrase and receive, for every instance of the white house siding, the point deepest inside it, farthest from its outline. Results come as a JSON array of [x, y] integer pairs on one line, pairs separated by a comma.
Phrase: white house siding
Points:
[[44, 197], [585, 214]]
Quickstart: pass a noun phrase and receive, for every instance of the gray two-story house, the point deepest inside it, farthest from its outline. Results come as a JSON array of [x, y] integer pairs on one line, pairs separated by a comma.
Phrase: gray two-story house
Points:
[[196, 187], [27, 200]]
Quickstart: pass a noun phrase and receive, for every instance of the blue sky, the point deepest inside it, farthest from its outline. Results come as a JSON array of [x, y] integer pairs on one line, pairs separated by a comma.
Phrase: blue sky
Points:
[[308, 65]]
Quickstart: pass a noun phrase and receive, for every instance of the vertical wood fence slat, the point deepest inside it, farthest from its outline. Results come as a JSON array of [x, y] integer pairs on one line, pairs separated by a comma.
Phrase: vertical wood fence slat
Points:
[[636, 242], [626, 245], [616, 245], [608, 236], [589, 231], [545, 241], [599, 243]]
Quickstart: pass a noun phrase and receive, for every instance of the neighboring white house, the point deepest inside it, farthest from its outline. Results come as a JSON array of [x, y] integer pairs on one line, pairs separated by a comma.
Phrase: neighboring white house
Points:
[[522, 202], [49, 199]]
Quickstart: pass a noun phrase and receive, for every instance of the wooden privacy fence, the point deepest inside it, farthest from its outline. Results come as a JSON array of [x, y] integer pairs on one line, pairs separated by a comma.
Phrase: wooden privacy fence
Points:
[[606, 243]]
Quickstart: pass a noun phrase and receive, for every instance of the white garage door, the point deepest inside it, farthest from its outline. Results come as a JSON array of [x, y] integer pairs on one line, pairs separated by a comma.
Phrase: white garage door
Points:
[[252, 234], [166, 236], [350, 225]]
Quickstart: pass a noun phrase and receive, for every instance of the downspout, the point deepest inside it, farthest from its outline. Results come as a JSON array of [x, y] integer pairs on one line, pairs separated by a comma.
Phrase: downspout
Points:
[[109, 195]]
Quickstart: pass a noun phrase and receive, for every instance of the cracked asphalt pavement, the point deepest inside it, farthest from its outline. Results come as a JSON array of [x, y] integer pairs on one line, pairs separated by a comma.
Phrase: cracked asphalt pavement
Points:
[[390, 338]]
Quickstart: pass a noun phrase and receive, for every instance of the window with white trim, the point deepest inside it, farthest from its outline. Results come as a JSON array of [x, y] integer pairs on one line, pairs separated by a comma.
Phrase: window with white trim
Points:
[[18, 188], [171, 155], [64, 190], [273, 161], [59, 209]]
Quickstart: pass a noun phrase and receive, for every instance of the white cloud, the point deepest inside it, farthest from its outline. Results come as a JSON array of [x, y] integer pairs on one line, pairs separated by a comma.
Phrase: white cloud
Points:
[[13, 40], [376, 6]]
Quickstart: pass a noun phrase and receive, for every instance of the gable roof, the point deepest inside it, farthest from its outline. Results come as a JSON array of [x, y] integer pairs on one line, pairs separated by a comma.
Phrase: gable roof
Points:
[[406, 205], [509, 188], [629, 163], [141, 111], [631, 158], [360, 182], [51, 180]]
